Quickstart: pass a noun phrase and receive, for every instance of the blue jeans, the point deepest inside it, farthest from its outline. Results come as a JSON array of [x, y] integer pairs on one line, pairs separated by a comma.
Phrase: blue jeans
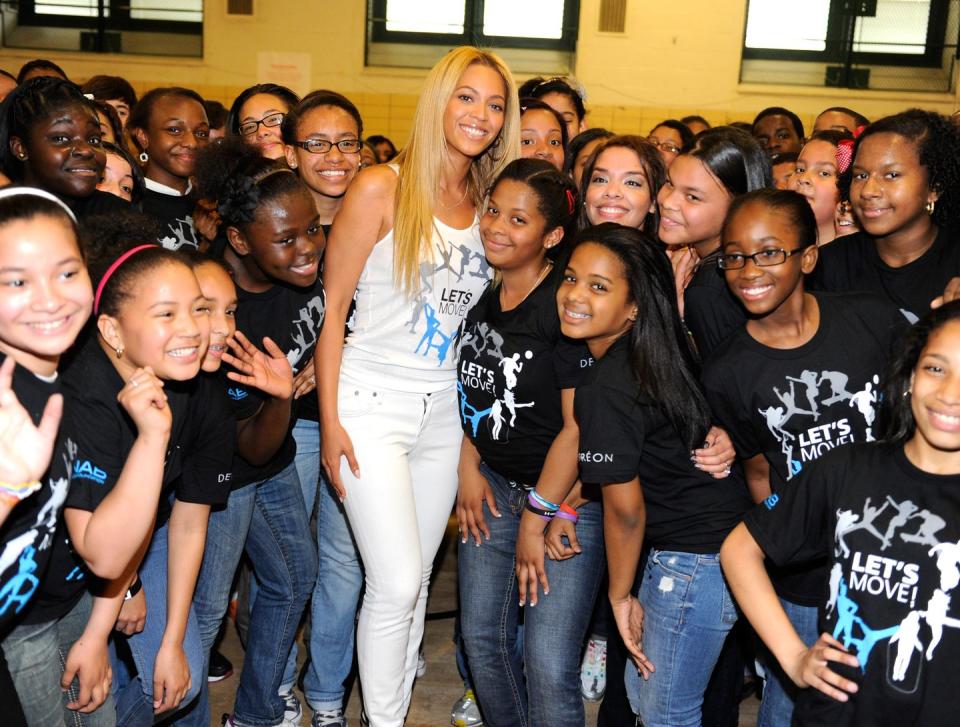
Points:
[[133, 683], [688, 612], [543, 686], [268, 520], [776, 708], [35, 655]]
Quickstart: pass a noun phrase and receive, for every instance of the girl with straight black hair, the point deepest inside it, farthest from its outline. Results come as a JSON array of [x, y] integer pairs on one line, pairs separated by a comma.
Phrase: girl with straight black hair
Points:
[[256, 115], [640, 411]]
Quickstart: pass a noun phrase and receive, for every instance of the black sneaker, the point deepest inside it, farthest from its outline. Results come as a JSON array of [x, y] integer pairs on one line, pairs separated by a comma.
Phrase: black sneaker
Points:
[[220, 667]]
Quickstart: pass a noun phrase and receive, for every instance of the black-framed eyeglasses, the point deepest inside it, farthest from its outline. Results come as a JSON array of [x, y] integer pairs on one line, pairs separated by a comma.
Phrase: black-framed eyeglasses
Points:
[[763, 259], [667, 146], [250, 127], [322, 146]]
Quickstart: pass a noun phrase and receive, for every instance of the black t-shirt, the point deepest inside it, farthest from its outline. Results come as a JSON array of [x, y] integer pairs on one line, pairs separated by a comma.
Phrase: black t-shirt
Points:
[[710, 311], [174, 213], [512, 367], [623, 436], [28, 535], [891, 532], [852, 263], [292, 317], [793, 405], [199, 452], [98, 203], [196, 467]]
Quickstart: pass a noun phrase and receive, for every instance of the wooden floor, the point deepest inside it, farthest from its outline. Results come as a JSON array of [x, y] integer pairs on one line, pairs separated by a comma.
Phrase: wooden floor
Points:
[[435, 693]]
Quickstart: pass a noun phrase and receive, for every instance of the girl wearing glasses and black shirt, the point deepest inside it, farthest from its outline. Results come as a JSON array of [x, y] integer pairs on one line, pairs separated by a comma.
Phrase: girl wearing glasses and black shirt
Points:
[[801, 378], [322, 135], [257, 114]]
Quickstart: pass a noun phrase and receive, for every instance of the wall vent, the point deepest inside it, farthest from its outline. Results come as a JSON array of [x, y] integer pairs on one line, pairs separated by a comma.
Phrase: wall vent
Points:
[[239, 7], [613, 16]]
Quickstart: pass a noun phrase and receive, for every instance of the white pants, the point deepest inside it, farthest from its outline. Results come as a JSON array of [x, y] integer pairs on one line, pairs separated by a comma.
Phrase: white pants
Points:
[[407, 447]]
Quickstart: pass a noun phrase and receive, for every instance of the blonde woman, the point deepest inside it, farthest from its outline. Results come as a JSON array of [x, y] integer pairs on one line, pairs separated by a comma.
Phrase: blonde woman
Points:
[[407, 240]]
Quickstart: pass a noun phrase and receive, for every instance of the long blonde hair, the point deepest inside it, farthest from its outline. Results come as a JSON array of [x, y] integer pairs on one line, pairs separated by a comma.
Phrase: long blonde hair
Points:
[[423, 158]]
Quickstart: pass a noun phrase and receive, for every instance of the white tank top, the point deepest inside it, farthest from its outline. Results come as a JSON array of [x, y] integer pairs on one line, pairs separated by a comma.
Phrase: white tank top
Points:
[[409, 343]]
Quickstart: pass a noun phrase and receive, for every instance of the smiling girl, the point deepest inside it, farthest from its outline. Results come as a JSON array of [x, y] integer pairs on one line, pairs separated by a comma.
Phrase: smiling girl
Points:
[[620, 183], [407, 242], [796, 382], [640, 411], [887, 654], [50, 138], [274, 246], [169, 126], [904, 193], [701, 183], [45, 298], [257, 114]]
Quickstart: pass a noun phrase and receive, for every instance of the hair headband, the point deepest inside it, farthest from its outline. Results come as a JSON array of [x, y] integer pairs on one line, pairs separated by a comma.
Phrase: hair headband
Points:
[[35, 192], [112, 269]]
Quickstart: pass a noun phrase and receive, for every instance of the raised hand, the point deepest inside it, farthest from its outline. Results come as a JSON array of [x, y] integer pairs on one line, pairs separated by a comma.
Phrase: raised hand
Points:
[[269, 372], [25, 449]]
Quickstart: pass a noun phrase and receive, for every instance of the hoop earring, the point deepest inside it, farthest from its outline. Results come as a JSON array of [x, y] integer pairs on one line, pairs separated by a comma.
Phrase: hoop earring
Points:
[[930, 206], [144, 158]]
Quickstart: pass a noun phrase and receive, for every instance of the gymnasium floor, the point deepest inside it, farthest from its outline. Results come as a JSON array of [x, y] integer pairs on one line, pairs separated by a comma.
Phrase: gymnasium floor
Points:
[[439, 688]]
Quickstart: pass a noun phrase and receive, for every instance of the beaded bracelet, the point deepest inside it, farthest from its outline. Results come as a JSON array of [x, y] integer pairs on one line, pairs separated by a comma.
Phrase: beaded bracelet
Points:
[[568, 513], [544, 502]]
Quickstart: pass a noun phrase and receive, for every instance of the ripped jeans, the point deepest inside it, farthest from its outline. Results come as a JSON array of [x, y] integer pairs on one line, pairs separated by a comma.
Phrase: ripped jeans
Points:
[[688, 611]]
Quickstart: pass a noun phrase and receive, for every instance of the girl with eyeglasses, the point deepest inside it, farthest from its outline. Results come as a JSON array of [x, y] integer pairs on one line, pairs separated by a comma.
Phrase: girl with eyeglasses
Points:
[[799, 379], [257, 115], [169, 126], [322, 135], [670, 137]]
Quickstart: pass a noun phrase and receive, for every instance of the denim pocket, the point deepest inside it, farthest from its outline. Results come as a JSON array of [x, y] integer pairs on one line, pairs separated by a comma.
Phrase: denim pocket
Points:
[[675, 565]]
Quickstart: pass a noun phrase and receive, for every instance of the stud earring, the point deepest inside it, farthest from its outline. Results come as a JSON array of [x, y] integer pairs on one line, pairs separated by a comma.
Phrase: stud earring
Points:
[[119, 351], [144, 158], [930, 206], [21, 155]]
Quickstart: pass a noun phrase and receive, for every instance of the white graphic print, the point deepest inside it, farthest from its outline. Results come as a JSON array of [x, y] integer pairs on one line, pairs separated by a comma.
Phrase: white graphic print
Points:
[[896, 580], [802, 401], [180, 233], [18, 588], [305, 330], [442, 302]]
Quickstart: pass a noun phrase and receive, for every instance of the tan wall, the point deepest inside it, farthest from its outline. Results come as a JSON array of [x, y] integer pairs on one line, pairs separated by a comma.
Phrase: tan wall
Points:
[[674, 59]]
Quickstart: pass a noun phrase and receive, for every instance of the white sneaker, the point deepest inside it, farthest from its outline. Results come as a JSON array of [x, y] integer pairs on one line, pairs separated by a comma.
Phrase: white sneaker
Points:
[[593, 670], [292, 712]]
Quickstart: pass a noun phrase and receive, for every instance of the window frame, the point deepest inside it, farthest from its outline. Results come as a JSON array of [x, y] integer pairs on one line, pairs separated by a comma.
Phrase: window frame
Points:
[[839, 28], [118, 20], [472, 30]]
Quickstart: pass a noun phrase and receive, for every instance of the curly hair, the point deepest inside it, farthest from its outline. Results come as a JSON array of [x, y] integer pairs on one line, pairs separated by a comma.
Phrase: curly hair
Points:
[[937, 140], [235, 176]]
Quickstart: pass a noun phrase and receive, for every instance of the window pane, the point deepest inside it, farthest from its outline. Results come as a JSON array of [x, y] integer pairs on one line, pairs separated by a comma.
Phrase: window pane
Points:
[[425, 16], [900, 26], [76, 8], [527, 19], [788, 26], [183, 11]]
